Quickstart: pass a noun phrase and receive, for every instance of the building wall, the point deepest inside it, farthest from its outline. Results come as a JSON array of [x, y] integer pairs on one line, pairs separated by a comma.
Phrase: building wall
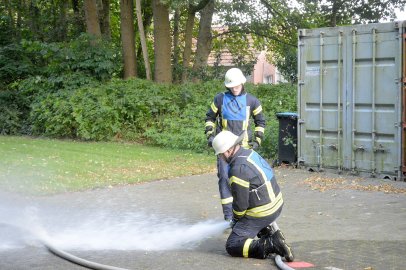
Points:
[[265, 72]]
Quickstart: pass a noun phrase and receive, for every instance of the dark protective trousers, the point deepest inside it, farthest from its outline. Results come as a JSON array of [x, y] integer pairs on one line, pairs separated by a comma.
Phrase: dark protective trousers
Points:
[[248, 228], [224, 187]]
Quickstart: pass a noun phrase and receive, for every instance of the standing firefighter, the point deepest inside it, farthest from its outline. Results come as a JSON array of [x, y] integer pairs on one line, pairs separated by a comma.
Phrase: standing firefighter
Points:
[[257, 201], [232, 110]]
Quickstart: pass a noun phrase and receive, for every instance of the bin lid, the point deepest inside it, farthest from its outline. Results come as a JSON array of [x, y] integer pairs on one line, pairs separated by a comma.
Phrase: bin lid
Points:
[[287, 115]]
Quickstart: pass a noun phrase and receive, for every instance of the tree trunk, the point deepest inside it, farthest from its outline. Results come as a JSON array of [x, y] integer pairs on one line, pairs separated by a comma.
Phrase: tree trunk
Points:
[[187, 52], [176, 49], [162, 43], [92, 21], [204, 40], [62, 22], [12, 35], [334, 11], [10, 12], [79, 25], [104, 12], [75, 6], [128, 38], [34, 16], [21, 7], [142, 39]]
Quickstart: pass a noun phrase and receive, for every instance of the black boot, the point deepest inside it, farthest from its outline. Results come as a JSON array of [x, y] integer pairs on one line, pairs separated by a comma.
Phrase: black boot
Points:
[[267, 231], [280, 247], [261, 248]]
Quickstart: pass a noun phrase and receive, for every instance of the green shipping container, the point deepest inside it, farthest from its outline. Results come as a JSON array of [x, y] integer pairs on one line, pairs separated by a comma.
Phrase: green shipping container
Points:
[[351, 99]]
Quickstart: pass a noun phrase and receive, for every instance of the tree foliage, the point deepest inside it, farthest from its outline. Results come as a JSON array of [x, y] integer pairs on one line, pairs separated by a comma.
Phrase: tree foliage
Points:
[[55, 80], [243, 28], [273, 24]]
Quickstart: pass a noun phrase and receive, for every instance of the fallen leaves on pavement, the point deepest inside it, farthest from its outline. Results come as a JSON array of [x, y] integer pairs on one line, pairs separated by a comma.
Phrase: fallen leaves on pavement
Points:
[[322, 183]]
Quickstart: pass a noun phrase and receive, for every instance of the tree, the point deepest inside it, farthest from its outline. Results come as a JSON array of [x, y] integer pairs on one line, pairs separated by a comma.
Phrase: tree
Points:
[[104, 12], [187, 52], [273, 24], [176, 70], [8, 28], [143, 40], [204, 39], [34, 17], [92, 21], [162, 43], [61, 30], [78, 23], [128, 38], [339, 12]]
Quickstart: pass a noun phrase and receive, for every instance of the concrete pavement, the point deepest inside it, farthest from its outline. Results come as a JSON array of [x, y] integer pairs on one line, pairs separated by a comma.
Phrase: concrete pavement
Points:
[[333, 222]]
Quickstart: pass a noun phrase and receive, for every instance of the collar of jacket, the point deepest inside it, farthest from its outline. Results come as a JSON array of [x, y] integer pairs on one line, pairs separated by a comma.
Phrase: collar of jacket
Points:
[[242, 91], [241, 152]]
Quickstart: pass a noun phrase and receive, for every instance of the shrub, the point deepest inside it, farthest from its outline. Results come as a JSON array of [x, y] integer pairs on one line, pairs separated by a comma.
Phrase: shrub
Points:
[[121, 109], [14, 64], [10, 115], [183, 127], [51, 115], [274, 98], [91, 57], [73, 105]]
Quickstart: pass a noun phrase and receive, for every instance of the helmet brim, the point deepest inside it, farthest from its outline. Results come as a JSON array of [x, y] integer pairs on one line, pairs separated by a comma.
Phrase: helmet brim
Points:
[[235, 83], [237, 141]]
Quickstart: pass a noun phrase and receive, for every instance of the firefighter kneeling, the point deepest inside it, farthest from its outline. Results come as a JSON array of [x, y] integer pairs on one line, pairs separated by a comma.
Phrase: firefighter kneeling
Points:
[[257, 201]]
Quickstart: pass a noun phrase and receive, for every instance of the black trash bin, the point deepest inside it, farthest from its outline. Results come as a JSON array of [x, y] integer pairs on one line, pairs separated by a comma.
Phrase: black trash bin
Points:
[[287, 142]]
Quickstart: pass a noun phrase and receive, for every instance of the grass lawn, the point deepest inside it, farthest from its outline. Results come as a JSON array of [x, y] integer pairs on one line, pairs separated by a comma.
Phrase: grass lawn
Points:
[[43, 166]]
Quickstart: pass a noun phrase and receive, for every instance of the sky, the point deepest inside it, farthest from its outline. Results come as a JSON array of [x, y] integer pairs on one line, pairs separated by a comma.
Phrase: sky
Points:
[[401, 15]]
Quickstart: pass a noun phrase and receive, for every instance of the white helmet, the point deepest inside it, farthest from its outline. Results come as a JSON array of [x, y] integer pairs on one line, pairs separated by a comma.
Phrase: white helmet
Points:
[[225, 140], [234, 77]]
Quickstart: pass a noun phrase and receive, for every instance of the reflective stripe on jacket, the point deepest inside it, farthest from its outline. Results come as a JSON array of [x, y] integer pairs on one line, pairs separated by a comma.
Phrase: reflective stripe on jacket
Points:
[[254, 187], [233, 113]]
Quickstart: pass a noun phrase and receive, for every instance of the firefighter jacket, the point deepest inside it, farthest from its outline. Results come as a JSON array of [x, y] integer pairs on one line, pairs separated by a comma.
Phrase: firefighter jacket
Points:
[[233, 113], [254, 188]]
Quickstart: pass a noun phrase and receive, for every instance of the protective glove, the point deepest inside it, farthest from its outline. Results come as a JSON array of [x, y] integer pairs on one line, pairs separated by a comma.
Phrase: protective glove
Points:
[[253, 145], [233, 221], [210, 141]]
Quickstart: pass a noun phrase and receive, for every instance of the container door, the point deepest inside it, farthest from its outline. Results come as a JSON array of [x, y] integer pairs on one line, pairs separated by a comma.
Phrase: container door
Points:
[[350, 98], [404, 106], [320, 99]]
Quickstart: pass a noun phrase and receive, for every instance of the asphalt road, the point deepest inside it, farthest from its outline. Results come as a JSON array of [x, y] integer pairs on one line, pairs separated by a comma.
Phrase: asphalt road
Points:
[[333, 222]]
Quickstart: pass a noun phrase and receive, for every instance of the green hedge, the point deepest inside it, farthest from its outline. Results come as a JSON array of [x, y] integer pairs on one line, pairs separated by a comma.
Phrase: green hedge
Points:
[[274, 99], [135, 110], [66, 90]]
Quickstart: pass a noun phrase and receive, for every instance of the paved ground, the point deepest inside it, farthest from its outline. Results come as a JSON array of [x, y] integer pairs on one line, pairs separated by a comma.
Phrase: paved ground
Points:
[[334, 222]]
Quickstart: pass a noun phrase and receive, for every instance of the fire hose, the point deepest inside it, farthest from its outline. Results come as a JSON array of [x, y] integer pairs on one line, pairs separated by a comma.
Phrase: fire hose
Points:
[[67, 256], [281, 265], [97, 266]]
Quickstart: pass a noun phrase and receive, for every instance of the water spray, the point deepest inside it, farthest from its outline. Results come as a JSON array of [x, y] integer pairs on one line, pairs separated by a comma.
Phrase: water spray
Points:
[[59, 231], [25, 221], [67, 256]]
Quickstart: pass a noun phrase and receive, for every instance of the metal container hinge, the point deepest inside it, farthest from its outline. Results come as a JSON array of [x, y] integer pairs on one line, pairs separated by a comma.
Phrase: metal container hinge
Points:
[[380, 148], [333, 146], [359, 148], [302, 32]]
